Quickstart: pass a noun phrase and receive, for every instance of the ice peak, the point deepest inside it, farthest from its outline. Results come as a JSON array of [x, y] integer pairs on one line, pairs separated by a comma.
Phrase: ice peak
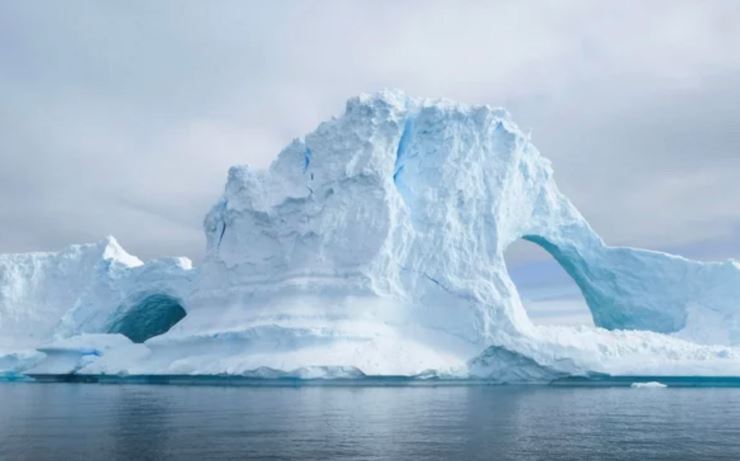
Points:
[[393, 97], [113, 251]]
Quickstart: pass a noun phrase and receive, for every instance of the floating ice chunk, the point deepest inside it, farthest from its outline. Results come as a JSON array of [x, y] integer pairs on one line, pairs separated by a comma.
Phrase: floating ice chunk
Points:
[[648, 385]]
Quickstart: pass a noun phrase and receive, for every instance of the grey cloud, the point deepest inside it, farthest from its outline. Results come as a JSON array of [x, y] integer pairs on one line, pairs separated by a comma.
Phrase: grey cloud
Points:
[[123, 118]]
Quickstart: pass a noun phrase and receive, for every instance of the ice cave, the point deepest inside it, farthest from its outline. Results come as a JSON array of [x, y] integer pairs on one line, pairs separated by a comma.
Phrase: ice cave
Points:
[[147, 317]]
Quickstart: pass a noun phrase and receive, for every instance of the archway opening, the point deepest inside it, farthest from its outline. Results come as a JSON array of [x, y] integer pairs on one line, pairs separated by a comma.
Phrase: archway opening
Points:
[[548, 293], [148, 317]]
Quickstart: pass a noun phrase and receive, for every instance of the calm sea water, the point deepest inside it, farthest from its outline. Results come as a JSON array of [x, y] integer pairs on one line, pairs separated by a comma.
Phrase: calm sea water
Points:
[[142, 422]]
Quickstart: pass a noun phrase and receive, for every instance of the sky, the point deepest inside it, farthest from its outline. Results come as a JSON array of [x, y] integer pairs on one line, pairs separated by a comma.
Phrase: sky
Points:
[[122, 118]]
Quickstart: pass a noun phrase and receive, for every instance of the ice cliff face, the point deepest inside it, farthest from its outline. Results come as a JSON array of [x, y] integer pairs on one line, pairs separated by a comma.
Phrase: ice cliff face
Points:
[[375, 246]]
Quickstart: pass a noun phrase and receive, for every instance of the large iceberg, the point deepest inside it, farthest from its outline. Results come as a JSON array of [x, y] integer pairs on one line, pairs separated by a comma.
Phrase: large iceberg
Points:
[[374, 247]]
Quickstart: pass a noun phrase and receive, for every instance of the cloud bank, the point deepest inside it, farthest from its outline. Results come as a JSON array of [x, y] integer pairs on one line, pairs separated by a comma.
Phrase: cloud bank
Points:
[[123, 118]]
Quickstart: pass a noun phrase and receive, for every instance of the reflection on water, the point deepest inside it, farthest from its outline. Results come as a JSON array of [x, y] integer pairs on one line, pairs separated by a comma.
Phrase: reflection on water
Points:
[[142, 422]]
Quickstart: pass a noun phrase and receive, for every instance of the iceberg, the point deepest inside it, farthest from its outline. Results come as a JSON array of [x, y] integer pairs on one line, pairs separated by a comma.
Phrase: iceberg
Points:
[[82, 289], [374, 246], [648, 385]]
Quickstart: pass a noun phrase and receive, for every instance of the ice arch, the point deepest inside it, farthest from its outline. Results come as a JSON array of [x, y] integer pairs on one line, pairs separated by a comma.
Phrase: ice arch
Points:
[[150, 316], [618, 283], [547, 292], [633, 289]]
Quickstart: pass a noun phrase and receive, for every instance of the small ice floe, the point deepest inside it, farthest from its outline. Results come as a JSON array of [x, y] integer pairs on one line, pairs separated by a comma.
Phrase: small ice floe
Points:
[[648, 385]]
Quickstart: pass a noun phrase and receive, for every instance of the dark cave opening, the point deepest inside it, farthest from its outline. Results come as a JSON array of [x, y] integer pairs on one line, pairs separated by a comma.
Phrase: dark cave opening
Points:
[[151, 316]]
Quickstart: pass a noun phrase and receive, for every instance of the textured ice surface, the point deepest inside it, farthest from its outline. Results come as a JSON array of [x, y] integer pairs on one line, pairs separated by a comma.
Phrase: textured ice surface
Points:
[[375, 244]]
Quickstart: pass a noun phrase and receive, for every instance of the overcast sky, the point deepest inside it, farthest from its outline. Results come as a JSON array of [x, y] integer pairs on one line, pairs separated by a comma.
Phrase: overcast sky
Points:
[[122, 117]]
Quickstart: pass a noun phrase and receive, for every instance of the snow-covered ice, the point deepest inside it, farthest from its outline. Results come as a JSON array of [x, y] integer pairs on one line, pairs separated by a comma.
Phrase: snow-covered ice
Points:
[[374, 246]]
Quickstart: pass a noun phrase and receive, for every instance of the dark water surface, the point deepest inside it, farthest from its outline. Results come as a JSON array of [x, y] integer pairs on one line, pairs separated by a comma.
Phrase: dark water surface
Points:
[[141, 422]]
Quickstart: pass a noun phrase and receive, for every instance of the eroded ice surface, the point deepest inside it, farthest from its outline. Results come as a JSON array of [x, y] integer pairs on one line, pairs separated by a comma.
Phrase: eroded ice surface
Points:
[[374, 246]]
